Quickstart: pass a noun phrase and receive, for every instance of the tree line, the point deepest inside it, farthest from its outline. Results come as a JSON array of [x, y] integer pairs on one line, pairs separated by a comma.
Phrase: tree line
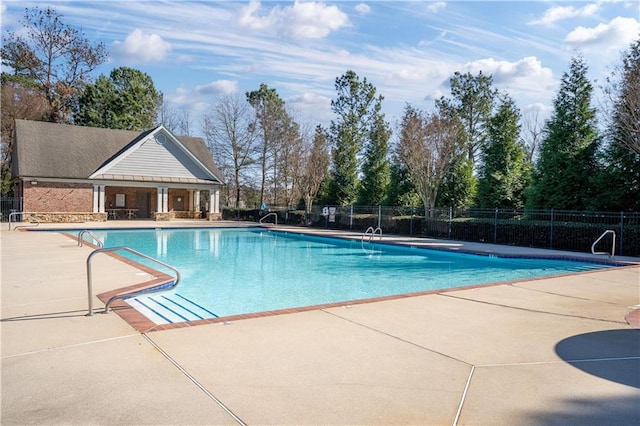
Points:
[[472, 148]]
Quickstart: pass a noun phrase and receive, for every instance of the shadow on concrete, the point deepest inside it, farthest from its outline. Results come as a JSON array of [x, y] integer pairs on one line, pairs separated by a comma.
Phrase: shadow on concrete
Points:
[[610, 354], [622, 411], [51, 315]]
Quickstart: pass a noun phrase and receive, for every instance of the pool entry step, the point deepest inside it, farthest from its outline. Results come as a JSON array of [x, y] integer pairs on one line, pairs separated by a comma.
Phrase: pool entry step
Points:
[[169, 308]]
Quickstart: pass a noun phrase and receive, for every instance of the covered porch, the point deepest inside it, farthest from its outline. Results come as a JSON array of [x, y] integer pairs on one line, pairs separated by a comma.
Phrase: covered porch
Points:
[[122, 202]]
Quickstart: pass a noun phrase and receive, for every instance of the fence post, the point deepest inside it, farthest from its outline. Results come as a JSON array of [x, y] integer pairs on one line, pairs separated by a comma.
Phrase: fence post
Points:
[[351, 218], [495, 227], [620, 245], [551, 233], [379, 215], [450, 221], [411, 222]]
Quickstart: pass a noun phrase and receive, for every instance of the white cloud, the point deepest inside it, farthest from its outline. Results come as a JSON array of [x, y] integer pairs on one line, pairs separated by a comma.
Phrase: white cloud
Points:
[[182, 59], [312, 20], [247, 19], [618, 32], [311, 105], [141, 48], [301, 20], [558, 13], [504, 71], [218, 87], [362, 8], [437, 6]]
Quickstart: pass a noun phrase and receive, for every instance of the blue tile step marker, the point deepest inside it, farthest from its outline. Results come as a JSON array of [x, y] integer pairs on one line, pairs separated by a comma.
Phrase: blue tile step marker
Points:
[[169, 308]]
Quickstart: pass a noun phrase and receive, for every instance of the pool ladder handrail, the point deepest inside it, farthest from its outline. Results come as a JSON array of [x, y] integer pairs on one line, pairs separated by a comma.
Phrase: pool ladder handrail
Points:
[[95, 238], [613, 244], [371, 232], [129, 294], [31, 224], [267, 215]]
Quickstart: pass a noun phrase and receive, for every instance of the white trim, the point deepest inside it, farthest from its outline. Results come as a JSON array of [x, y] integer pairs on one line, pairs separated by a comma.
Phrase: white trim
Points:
[[122, 183], [151, 137]]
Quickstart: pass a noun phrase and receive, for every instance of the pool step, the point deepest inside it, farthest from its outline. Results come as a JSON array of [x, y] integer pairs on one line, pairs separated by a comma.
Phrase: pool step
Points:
[[169, 308]]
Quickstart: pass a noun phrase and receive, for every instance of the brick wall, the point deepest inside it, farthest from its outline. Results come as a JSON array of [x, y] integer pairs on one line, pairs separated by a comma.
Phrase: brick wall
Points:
[[58, 197]]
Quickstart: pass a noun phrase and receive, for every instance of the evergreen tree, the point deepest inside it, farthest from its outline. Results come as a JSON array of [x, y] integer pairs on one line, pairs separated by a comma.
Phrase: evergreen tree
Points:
[[503, 174], [563, 177], [375, 169], [401, 190], [127, 99], [356, 107], [459, 185], [619, 182], [472, 99], [272, 119]]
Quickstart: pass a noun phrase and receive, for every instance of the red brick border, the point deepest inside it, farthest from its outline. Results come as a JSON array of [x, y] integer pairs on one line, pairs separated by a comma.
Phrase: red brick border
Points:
[[144, 325]]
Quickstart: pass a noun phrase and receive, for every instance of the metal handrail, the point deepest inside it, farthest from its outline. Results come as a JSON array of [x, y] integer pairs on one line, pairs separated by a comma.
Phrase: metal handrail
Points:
[[371, 232], [133, 293], [95, 238], [12, 214], [267, 215], [613, 245]]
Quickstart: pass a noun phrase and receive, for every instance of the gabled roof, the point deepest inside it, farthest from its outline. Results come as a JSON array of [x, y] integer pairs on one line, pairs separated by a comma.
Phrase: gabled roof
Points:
[[43, 149]]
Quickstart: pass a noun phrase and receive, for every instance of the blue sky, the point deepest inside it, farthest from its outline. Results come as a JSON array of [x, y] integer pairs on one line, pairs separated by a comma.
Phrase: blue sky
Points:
[[196, 51]]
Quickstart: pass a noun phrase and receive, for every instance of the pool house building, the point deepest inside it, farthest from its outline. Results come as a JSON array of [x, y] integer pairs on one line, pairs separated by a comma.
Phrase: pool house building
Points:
[[67, 173]]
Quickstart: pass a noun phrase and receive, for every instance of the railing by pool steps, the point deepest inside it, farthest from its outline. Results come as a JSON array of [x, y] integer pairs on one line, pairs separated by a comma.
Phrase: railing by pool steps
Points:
[[92, 235], [31, 225], [613, 244], [371, 233], [267, 215], [134, 293]]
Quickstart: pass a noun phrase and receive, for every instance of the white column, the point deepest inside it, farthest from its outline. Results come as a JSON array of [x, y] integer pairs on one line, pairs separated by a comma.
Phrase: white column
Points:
[[165, 200], [96, 196], [214, 200], [196, 200], [160, 191], [101, 198]]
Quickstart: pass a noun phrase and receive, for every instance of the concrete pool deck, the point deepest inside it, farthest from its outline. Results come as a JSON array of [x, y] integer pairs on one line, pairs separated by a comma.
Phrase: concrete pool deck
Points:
[[549, 351]]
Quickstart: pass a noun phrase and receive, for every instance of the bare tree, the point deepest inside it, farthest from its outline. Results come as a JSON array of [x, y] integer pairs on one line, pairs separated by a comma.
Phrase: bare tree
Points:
[[177, 121], [532, 131], [315, 168], [427, 147], [229, 129], [55, 57], [291, 152], [623, 96]]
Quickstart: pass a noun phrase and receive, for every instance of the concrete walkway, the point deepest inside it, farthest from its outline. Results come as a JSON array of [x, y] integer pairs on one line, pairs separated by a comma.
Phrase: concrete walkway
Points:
[[541, 352]]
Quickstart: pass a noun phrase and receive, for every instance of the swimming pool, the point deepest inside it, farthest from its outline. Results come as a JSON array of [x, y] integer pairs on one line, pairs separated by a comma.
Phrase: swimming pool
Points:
[[231, 271]]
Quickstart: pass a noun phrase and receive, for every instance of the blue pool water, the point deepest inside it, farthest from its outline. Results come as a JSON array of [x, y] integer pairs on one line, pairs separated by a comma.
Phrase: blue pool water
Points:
[[237, 271]]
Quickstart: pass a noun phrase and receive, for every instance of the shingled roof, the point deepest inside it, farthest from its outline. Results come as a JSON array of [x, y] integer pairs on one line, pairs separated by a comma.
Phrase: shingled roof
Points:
[[43, 149]]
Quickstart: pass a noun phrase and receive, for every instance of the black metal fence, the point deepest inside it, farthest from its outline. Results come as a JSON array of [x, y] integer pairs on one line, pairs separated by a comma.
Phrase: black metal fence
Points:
[[552, 229], [8, 205]]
